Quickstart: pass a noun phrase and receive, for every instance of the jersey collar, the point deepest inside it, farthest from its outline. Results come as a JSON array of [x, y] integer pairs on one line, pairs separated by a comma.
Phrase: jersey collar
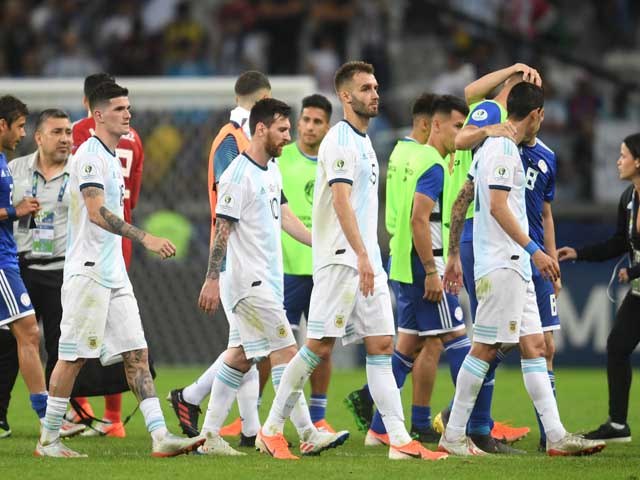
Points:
[[113, 154], [265, 168], [363, 135]]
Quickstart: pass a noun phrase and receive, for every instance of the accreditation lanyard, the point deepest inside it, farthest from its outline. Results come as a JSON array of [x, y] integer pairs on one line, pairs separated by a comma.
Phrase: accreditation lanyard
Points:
[[635, 260], [43, 235]]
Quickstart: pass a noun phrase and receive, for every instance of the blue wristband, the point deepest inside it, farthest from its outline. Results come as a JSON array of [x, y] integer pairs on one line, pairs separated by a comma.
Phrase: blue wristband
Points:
[[532, 247], [11, 213]]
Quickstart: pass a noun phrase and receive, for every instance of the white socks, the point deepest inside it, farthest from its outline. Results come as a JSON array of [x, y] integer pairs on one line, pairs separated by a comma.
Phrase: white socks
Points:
[[290, 400], [56, 408], [538, 385], [470, 379], [198, 390], [247, 397], [153, 418], [386, 395], [223, 393]]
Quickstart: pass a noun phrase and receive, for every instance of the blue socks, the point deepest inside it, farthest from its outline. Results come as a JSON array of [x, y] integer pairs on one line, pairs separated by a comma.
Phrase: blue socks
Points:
[[420, 417], [401, 366], [39, 403], [457, 350], [317, 407]]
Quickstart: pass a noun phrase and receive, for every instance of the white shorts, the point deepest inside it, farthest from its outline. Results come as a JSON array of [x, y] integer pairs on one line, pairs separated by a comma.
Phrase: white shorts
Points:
[[98, 321], [507, 308], [339, 309], [260, 326]]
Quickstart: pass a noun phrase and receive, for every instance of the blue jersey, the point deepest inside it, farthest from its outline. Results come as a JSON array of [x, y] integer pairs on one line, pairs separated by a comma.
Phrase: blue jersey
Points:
[[8, 249], [539, 163]]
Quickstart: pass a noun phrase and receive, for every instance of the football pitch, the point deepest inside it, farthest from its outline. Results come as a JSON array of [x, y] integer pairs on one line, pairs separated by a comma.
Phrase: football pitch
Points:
[[581, 395]]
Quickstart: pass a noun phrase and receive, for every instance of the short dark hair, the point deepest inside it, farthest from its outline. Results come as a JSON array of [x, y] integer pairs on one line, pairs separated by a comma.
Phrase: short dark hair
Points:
[[523, 98], [266, 110], [105, 92], [446, 104], [11, 109], [423, 105], [318, 101], [95, 79], [250, 82], [633, 144], [348, 70], [50, 113]]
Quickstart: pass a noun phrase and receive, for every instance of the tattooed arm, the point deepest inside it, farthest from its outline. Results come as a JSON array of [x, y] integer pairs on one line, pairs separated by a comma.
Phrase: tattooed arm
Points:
[[453, 271], [104, 218], [210, 292]]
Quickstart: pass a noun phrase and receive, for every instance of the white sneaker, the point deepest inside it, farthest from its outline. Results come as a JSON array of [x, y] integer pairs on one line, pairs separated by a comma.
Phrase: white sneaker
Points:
[[172, 445], [314, 441], [69, 429], [56, 449], [574, 445], [216, 445], [464, 447]]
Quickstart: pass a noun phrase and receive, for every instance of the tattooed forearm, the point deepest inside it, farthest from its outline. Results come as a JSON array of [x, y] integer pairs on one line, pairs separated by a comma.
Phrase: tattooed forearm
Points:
[[118, 226], [136, 367], [219, 248], [458, 214]]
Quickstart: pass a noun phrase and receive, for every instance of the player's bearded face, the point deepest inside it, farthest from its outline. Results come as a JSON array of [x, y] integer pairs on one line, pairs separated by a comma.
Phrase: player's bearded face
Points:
[[278, 135], [364, 96], [12, 135]]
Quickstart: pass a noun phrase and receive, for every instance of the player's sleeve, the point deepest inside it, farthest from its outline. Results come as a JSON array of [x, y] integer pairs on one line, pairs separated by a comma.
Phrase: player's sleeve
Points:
[[224, 155], [471, 174], [91, 171], [501, 171], [339, 163], [283, 198], [231, 196], [485, 113], [550, 191], [136, 172], [431, 182]]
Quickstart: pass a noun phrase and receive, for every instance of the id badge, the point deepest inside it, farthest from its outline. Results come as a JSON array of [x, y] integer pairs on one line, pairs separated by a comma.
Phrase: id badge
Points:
[[635, 284], [42, 245]]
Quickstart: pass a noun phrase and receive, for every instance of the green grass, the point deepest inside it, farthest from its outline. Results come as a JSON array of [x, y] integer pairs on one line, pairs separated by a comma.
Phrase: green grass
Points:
[[583, 405]]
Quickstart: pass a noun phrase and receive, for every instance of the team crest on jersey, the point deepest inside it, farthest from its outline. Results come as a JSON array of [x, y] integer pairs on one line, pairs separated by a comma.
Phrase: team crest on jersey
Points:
[[501, 173], [512, 326], [308, 191], [282, 331], [480, 115], [542, 165], [458, 313], [339, 165], [339, 321], [92, 342], [25, 300]]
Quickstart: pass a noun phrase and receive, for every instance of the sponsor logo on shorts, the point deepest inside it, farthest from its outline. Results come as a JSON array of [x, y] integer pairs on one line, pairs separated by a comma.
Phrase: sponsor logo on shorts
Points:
[[480, 115], [512, 326], [339, 321], [458, 313], [25, 300], [92, 341], [282, 331]]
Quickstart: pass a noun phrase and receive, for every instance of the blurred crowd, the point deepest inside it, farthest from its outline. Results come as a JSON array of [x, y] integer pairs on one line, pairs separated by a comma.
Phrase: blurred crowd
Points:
[[415, 45]]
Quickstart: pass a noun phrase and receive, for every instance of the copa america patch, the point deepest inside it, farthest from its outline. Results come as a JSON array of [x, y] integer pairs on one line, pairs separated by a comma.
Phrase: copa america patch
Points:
[[480, 115], [25, 300], [501, 173], [339, 166], [542, 165]]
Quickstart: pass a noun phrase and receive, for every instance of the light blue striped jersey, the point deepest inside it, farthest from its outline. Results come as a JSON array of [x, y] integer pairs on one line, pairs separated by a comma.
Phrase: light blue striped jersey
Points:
[[91, 250], [250, 196], [346, 155], [497, 165]]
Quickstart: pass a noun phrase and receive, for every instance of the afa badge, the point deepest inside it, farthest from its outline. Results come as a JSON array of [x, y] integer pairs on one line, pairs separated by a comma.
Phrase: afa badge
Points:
[[92, 342], [512, 326], [282, 331], [339, 321]]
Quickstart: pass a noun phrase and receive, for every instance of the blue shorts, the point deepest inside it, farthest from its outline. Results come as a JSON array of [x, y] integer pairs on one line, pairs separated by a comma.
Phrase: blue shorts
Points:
[[547, 305], [467, 259], [297, 296], [394, 285], [417, 316], [14, 299]]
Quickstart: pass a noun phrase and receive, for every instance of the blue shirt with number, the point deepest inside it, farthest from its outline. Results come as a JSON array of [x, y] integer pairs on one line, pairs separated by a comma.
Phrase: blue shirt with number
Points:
[[8, 249]]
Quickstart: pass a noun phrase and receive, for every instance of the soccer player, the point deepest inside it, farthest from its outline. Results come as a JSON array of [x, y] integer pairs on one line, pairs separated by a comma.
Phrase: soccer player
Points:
[[100, 313], [298, 164], [350, 297], [486, 119], [359, 401], [16, 311], [250, 216], [232, 139], [44, 173], [131, 154], [507, 307], [424, 310]]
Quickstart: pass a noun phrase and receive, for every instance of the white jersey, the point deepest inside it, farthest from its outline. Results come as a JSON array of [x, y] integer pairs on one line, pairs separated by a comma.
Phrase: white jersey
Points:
[[250, 195], [91, 250], [497, 165], [346, 155]]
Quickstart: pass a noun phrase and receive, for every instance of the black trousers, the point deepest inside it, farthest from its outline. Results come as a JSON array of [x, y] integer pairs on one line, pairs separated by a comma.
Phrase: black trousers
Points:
[[44, 290], [622, 341]]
